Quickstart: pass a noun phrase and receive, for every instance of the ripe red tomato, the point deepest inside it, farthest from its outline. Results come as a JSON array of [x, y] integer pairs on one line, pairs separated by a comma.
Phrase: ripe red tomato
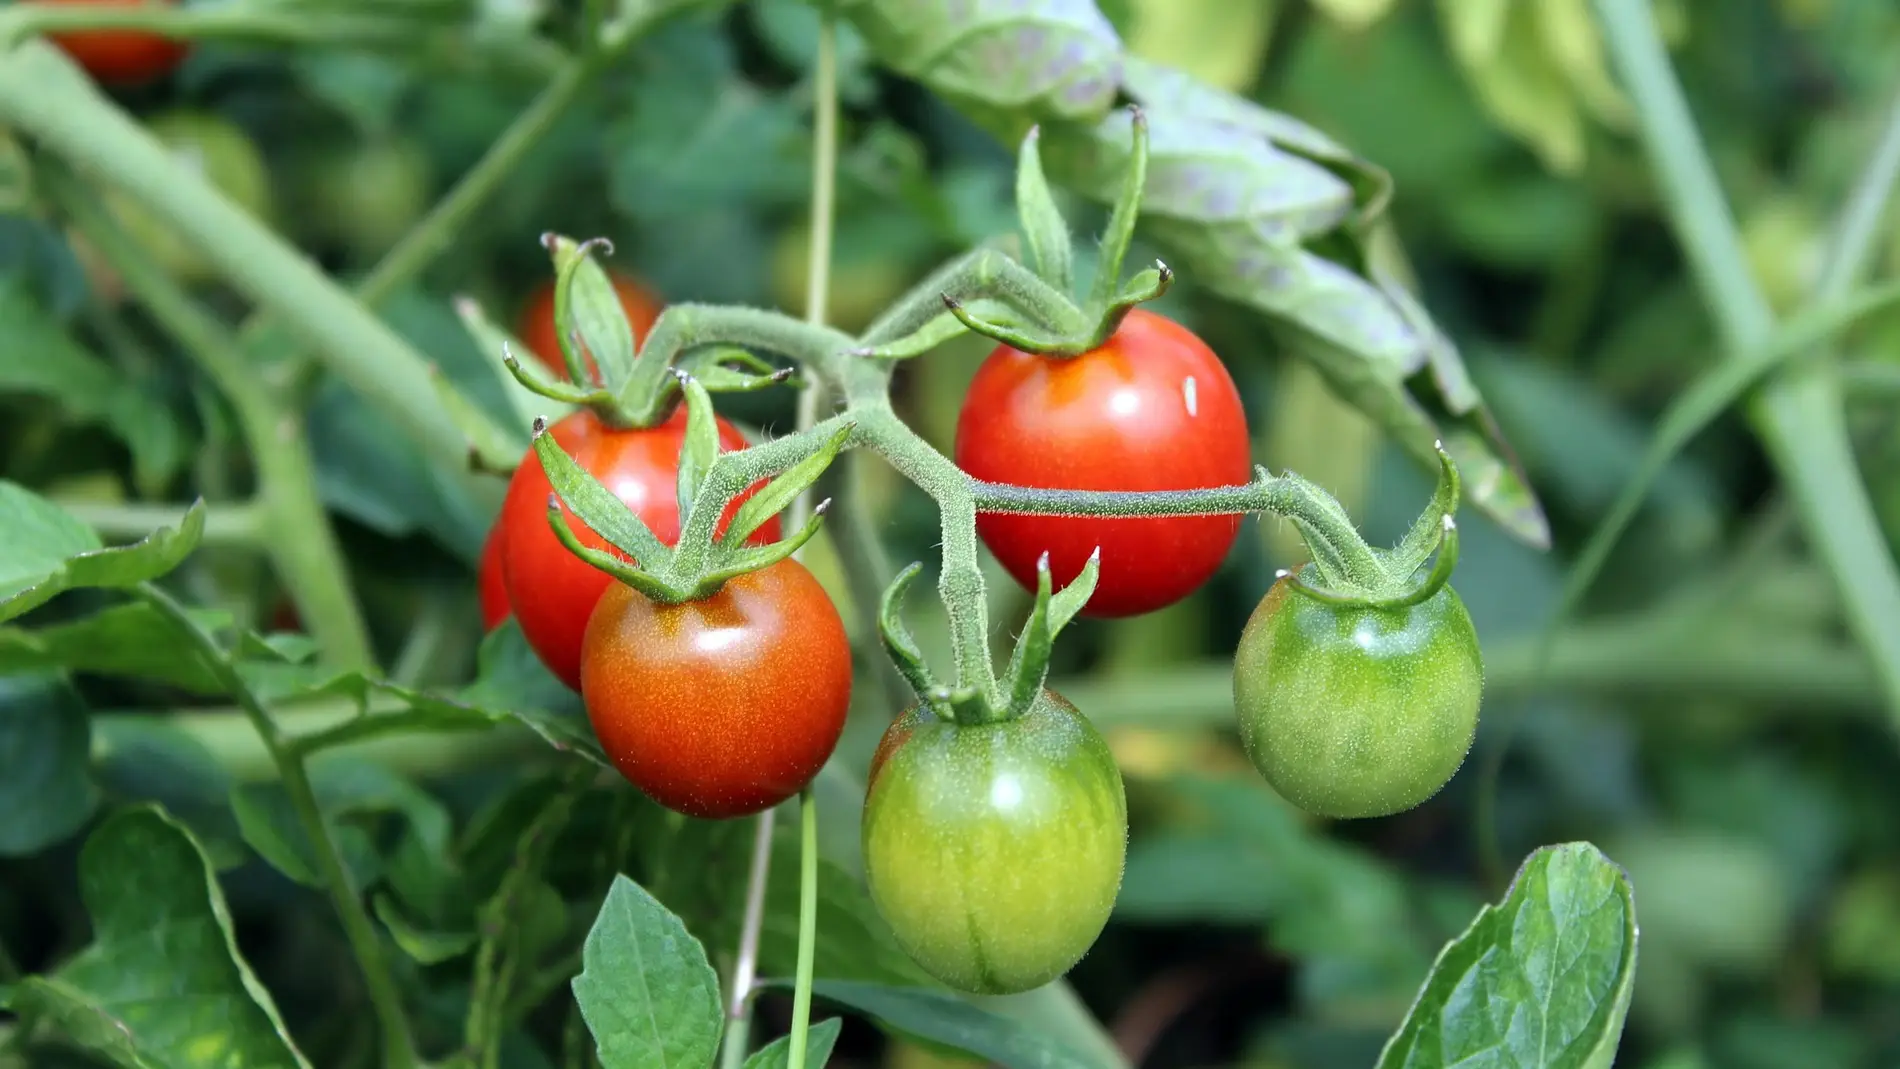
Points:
[[488, 584], [536, 326], [1152, 409], [553, 591], [120, 57], [724, 706]]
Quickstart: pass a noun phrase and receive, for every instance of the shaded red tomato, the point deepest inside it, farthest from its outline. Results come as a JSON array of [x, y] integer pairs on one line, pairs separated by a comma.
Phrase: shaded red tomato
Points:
[[488, 582], [551, 590], [724, 706], [1152, 409], [536, 327], [119, 57]]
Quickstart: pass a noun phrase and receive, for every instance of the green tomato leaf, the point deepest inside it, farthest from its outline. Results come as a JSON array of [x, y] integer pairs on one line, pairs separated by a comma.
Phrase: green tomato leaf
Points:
[[586, 302], [941, 1017], [496, 345], [1046, 60], [45, 746], [699, 449], [598, 508], [423, 946], [512, 681], [1543, 978], [41, 359], [1050, 253], [819, 1040], [898, 642], [45, 552], [131, 640], [162, 983], [346, 789], [646, 990]]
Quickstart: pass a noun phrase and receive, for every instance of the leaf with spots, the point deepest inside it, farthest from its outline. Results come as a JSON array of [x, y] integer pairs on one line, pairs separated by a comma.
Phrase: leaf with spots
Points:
[[162, 984], [1541, 980], [646, 990]]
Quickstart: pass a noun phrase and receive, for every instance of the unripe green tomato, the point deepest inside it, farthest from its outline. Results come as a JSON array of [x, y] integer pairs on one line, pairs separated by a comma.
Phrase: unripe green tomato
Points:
[[995, 851], [861, 287], [368, 196], [1357, 712], [220, 151]]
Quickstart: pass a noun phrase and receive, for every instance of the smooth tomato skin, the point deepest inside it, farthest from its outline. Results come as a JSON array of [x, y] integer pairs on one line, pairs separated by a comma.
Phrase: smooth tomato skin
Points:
[[551, 590], [995, 852], [120, 57], [725, 706], [488, 582], [1152, 409], [1357, 712], [537, 331]]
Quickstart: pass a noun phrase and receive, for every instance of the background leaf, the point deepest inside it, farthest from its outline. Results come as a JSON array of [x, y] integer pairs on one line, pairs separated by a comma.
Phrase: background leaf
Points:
[[649, 996], [162, 982], [45, 747]]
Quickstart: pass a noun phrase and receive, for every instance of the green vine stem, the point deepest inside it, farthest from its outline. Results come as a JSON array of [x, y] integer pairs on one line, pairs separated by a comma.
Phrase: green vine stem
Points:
[[807, 925], [399, 1050], [1798, 414], [310, 562]]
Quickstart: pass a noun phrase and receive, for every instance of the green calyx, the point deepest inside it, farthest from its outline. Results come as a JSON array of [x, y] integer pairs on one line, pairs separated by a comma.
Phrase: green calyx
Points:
[[1358, 576], [709, 480], [1061, 328], [629, 384], [1028, 665]]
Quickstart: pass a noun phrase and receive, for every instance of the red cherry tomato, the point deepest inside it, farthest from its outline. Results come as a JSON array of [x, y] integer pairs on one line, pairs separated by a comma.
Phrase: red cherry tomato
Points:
[[488, 584], [120, 57], [551, 590], [1152, 409], [537, 331], [724, 706]]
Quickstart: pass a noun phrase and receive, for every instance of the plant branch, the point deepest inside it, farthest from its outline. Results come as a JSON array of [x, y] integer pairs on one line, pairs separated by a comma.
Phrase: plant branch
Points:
[[300, 541], [398, 1045], [233, 523], [807, 925], [1798, 414], [745, 970]]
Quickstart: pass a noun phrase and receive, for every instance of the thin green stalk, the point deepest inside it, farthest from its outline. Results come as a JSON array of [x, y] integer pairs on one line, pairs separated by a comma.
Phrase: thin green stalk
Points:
[[1799, 413], [807, 926], [232, 523], [398, 1045], [823, 213], [302, 545]]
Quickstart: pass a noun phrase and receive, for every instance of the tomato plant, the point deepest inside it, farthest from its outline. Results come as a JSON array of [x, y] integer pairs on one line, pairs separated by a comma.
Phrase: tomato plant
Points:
[[722, 706], [550, 590], [120, 57], [1356, 711], [995, 850], [1152, 409], [535, 325]]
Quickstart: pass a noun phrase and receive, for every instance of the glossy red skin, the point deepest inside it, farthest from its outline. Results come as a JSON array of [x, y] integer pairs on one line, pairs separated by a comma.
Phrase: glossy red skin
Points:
[[551, 590], [725, 706], [536, 326], [1114, 418], [488, 582], [119, 57]]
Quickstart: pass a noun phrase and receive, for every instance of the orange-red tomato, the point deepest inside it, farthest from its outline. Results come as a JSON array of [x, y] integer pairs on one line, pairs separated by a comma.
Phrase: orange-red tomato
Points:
[[551, 590], [120, 57], [536, 326], [1152, 409], [488, 584], [724, 706]]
